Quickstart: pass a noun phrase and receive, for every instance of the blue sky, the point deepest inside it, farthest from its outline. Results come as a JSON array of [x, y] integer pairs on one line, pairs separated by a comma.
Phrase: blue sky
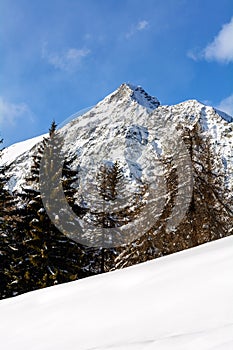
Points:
[[59, 56]]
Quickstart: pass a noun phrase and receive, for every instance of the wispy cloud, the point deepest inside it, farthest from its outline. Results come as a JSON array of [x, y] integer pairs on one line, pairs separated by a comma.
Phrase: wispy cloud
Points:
[[10, 113], [220, 49], [141, 25], [69, 60], [195, 54], [226, 105]]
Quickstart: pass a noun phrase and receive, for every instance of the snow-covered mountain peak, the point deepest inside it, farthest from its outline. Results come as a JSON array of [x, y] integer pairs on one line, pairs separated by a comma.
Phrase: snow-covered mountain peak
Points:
[[122, 126], [197, 106], [128, 92]]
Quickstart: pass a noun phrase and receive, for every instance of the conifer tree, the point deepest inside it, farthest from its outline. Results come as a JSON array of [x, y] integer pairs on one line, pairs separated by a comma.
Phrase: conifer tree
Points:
[[3, 240], [9, 247], [44, 255], [108, 180], [56, 258], [209, 215], [111, 187], [1, 189]]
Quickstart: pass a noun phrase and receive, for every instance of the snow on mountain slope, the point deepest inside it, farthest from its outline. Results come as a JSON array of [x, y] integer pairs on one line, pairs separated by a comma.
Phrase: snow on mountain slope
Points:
[[112, 115], [179, 302], [18, 158], [12, 152], [213, 123], [124, 126]]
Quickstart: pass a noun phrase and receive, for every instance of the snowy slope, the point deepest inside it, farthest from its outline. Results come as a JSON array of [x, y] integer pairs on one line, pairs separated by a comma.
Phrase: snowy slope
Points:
[[18, 158], [116, 111], [12, 152], [180, 302], [124, 126]]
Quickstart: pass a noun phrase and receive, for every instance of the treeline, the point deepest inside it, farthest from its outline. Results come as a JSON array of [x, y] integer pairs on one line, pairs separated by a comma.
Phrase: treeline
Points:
[[35, 254]]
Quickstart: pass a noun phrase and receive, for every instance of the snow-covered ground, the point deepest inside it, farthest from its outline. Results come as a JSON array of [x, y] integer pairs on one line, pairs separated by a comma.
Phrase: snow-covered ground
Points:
[[180, 302], [14, 151]]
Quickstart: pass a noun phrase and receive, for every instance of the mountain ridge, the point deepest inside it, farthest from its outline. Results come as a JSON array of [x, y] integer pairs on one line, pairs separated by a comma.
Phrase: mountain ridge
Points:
[[127, 90], [130, 105], [120, 185]]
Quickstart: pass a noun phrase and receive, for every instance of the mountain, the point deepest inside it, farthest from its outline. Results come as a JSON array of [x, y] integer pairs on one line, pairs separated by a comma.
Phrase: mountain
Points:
[[120, 126], [179, 302], [139, 181]]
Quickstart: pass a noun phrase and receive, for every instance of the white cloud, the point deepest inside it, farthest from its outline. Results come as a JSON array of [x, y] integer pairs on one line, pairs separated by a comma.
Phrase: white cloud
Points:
[[141, 25], [220, 49], [69, 60], [226, 105], [10, 112], [195, 54]]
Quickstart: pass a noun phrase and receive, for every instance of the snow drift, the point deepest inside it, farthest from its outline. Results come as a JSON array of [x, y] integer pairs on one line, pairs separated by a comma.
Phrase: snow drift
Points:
[[179, 302]]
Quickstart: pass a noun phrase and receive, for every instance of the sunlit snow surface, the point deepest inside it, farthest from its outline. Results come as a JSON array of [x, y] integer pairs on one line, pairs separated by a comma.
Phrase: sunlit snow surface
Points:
[[180, 302], [126, 120], [118, 123], [12, 152]]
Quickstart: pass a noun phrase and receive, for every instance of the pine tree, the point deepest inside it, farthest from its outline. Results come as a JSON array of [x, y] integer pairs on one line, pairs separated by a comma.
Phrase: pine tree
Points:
[[209, 215], [107, 184], [1, 190], [9, 247], [52, 129], [56, 258], [108, 213], [3, 240], [43, 255]]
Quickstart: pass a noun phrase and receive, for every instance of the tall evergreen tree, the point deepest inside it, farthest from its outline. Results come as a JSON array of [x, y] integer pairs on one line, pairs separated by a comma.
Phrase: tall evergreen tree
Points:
[[9, 247], [1, 190], [209, 215], [107, 213], [44, 255], [56, 258]]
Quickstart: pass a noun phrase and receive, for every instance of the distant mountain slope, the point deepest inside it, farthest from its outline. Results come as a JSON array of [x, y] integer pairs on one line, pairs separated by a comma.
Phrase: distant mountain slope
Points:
[[124, 120], [11, 153], [180, 302]]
